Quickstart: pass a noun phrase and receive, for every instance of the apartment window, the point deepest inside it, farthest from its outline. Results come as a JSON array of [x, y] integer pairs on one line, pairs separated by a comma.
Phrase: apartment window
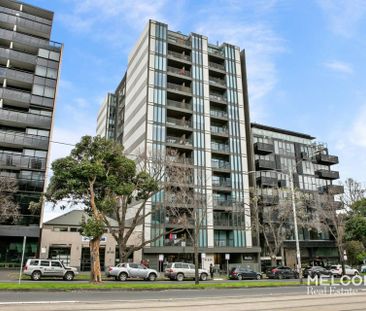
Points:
[[49, 54], [46, 72], [35, 153], [42, 90], [40, 112], [32, 131]]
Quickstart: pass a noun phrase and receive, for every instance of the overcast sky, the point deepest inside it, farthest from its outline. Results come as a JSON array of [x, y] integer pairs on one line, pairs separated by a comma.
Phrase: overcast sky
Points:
[[306, 62]]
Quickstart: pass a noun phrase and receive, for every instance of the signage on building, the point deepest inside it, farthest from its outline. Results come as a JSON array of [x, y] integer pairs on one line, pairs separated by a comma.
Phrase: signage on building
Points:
[[103, 239], [203, 255], [248, 258]]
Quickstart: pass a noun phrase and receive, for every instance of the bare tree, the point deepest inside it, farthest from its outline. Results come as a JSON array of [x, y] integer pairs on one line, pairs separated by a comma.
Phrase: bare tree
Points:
[[331, 216], [130, 209], [9, 210], [353, 192]]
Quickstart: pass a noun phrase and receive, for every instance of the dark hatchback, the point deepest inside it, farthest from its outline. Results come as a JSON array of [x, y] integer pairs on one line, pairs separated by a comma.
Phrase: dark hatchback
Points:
[[316, 271], [238, 273], [281, 272]]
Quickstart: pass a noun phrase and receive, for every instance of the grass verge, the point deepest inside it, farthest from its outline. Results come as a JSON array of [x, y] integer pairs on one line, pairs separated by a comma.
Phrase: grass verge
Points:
[[61, 286]]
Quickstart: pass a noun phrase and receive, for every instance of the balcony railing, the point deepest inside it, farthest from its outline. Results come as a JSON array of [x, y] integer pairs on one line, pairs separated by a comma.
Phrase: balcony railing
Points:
[[218, 113], [27, 16], [180, 160], [20, 56], [216, 66], [179, 55], [217, 81], [182, 105], [178, 242], [221, 183], [179, 122], [219, 130], [222, 202], [21, 161], [326, 159], [178, 87], [25, 119], [325, 174], [222, 148], [333, 189], [267, 181], [179, 141], [15, 95], [17, 75], [179, 41], [217, 97], [265, 164], [224, 243], [220, 164], [263, 148], [179, 71], [223, 222], [215, 52], [21, 139]]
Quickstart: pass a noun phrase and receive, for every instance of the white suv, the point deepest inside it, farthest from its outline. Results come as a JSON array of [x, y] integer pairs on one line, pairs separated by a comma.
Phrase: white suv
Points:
[[181, 270], [37, 268], [337, 270]]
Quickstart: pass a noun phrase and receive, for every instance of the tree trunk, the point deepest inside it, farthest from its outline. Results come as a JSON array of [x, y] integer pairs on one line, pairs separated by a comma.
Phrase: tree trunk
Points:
[[341, 255], [195, 249], [95, 273]]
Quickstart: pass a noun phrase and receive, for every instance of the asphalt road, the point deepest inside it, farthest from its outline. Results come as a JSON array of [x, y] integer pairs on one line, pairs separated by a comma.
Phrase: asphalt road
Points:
[[279, 298]]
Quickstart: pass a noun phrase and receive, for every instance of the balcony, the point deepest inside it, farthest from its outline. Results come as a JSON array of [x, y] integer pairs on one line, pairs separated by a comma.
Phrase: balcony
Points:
[[27, 16], [261, 165], [178, 87], [21, 119], [219, 130], [222, 183], [216, 66], [263, 148], [223, 222], [326, 159], [180, 56], [16, 96], [179, 141], [267, 199], [179, 122], [217, 82], [264, 181], [325, 174], [220, 148], [215, 52], [19, 161], [333, 189], [179, 160], [224, 243], [16, 75], [179, 71], [218, 114], [179, 105], [221, 165], [20, 139], [178, 242], [18, 56], [179, 41], [222, 203], [218, 98]]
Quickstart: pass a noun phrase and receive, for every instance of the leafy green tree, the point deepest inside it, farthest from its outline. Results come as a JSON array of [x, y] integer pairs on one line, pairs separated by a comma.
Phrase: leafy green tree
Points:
[[356, 229], [95, 169], [356, 252], [359, 207]]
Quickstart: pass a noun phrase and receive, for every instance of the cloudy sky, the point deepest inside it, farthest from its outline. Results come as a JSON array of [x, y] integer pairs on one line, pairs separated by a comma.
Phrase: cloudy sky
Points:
[[306, 62]]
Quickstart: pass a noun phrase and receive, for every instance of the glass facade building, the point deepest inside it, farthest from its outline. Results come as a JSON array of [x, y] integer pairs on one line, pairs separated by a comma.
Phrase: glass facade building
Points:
[[29, 70], [183, 96]]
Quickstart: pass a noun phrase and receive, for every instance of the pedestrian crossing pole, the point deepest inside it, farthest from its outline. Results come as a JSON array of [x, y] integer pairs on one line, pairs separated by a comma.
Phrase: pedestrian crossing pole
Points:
[[21, 264]]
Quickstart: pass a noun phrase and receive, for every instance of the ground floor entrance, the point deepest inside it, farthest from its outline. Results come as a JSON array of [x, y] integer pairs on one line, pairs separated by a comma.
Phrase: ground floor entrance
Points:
[[11, 249]]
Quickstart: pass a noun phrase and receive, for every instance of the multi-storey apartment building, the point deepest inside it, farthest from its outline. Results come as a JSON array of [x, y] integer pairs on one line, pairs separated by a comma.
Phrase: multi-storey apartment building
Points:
[[107, 117], [29, 70], [182, 95], [277, 155]]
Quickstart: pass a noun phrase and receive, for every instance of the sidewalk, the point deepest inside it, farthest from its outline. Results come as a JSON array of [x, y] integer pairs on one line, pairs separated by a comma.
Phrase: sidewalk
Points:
[[8, 274]]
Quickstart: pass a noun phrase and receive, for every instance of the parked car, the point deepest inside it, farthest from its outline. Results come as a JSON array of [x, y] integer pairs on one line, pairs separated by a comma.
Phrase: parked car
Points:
[[38, 268], [181, 270], [363, 269], [238, 273], [316, 271], [281, 272], [124, 271], [337, 270]]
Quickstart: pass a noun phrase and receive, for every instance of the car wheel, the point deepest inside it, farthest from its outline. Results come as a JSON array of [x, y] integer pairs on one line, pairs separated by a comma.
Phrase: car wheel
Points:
[[180, 277], [122, 276], [258, 277], [69, 276], [240, 277], [36, 275], [152, 277], [280, 277], [203, 277]]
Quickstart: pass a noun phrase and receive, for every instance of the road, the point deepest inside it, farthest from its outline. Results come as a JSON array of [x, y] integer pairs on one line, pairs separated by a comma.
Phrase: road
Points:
[[283, 298]]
